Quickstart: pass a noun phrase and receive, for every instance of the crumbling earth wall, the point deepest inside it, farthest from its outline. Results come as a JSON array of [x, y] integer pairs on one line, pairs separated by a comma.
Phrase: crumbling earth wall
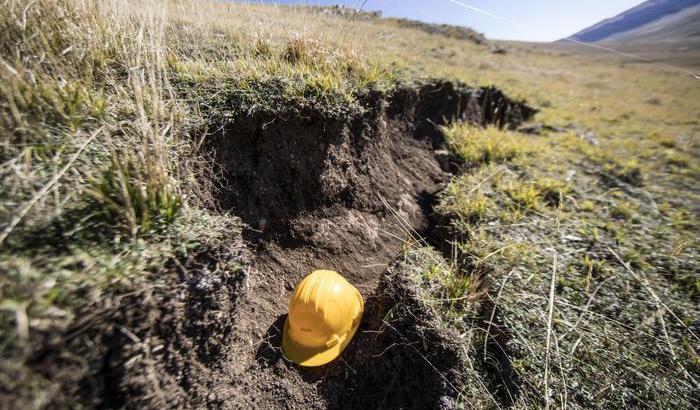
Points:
[[316, 191]]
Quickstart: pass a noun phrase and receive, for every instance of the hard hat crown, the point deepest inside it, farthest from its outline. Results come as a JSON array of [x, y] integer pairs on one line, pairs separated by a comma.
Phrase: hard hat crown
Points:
[[324, 313]]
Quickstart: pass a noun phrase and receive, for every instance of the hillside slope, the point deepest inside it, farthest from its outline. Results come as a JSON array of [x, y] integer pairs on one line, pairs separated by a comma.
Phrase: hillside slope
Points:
[[651, 21], [681, 28], [522, 225]]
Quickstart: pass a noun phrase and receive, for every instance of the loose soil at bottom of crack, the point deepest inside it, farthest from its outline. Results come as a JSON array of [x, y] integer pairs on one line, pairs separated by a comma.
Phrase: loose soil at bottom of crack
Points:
[[345, 195], [369, 373]]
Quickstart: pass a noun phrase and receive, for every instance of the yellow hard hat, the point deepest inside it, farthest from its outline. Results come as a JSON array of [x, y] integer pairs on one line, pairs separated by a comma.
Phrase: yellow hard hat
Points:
[[324, 314]]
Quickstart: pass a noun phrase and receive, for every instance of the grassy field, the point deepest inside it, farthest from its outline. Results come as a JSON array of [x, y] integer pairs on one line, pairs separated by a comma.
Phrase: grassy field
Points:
[[584, 234]]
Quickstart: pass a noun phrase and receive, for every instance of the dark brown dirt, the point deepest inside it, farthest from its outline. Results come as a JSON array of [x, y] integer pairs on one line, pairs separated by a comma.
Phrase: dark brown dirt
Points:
[[316, 192], [342, 195], [152, 347]]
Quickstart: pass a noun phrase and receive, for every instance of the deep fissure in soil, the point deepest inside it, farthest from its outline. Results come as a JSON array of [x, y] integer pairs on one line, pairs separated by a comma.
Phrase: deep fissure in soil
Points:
[[322, 192], [317, 192]]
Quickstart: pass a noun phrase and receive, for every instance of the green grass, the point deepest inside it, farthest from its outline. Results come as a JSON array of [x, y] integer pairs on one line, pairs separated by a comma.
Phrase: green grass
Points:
[[136, 194], [477, 146], [465, 203], [561, 196]]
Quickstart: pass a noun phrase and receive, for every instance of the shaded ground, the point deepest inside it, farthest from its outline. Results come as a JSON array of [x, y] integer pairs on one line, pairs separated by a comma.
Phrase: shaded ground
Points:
[[316, 192], [343, 195]]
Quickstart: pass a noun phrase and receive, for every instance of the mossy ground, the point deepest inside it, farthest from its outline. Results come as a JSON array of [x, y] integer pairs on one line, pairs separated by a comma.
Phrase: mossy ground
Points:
[[104, 108]]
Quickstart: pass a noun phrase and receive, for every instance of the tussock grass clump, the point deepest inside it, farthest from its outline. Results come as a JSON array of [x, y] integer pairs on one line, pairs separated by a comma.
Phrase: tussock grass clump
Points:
[[552, 191], [466, 203], [587, 206], [482, 146], [676, 158], [444, 288], [623, 210], [524, 196], [136, 194], [627, 171], [299, 50]]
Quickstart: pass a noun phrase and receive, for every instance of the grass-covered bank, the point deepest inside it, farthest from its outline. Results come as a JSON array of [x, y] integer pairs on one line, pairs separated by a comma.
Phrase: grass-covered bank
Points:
[[102, 186], [593, 284]]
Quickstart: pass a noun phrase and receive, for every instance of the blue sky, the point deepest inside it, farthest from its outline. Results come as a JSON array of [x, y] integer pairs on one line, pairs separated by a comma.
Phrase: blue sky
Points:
[[546, 20]]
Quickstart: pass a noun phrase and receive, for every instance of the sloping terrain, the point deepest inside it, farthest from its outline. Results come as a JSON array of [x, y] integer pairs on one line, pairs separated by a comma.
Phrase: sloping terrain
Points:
[[457, 32], [358, 184], [654, 20], [522, 226], [681, 27]]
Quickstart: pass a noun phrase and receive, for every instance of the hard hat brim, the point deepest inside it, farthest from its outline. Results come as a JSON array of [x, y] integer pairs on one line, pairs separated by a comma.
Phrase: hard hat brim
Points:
[[312, 357]]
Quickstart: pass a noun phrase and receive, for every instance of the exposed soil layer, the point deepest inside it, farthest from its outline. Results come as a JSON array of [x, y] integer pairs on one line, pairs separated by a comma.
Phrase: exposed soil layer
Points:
[[317, 192], [152, 347], [342, 194], [281, 170]]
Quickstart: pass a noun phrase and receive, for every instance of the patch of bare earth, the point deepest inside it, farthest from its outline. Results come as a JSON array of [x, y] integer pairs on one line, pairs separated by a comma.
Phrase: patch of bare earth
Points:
[[316, 192], [344, 194]]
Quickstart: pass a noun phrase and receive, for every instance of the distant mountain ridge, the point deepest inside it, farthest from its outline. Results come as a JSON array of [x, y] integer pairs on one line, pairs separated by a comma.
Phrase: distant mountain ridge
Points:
[[446, 30], [651, 21]]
